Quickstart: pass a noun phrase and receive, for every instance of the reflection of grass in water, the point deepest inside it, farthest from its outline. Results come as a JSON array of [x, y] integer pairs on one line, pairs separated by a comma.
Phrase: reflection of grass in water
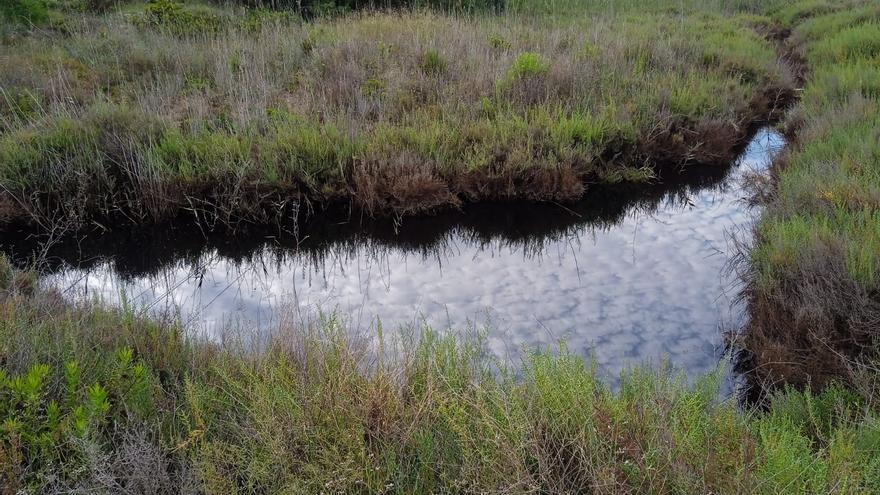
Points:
[[528, 228], [95, 397]]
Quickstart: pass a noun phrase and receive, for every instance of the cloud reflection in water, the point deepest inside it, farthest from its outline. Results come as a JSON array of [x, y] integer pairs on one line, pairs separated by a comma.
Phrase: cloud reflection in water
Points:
[[650, 286]]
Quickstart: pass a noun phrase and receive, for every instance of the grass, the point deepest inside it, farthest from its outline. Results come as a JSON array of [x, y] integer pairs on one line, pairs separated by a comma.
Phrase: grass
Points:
[[101, 400], [814, 284], [148, 111]]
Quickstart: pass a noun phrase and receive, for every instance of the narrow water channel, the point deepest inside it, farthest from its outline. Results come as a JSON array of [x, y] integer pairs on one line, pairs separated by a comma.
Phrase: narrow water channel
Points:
[[626, 278]]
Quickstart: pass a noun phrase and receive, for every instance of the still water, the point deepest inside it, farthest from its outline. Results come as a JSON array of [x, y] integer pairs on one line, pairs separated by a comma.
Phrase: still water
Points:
[[624, 276]]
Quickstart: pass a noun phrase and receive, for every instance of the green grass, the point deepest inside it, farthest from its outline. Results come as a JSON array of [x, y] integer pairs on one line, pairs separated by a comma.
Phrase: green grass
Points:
[[833, 175], [148, 110], [817, 261], [30, 11], [858, 43], [92, 399], [815, 28]]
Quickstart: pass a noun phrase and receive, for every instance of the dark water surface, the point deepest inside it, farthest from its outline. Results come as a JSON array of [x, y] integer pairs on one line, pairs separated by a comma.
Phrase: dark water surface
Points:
[[629, 276]]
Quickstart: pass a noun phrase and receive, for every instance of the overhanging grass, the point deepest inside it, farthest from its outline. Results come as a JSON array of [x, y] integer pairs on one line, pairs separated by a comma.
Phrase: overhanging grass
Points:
[[95, 399]]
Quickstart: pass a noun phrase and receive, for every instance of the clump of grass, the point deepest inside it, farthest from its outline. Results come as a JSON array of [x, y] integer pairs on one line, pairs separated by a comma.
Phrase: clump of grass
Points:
[[527, 65], [432, 62], [851, 44]]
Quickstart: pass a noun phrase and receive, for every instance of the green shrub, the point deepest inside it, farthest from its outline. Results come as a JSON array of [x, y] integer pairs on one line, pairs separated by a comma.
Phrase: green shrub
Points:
[[526, 65], [259, 18], [182, 19], [163, 11], [32, 11], [48, 415]]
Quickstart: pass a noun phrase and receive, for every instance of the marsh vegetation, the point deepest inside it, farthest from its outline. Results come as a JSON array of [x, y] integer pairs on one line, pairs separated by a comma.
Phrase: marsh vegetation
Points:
[[162, 109], [240, 115], [101, 400], [814, 273]]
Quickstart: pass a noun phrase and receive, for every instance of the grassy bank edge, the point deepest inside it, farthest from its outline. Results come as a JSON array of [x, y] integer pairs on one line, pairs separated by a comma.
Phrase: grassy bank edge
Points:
[[103, 400], [813, 273], [552, 156]]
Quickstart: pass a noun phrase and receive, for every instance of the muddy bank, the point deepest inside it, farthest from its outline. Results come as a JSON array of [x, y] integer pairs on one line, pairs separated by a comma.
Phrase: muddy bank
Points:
[[144, 249]]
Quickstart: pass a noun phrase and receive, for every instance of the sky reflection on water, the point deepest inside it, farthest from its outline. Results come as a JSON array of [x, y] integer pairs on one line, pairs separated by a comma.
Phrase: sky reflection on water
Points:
[[650, 285]]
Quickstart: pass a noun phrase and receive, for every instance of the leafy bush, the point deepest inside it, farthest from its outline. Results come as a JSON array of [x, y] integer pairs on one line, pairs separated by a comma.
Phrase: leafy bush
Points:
[[181, 19], [48, 416], [33, 11]]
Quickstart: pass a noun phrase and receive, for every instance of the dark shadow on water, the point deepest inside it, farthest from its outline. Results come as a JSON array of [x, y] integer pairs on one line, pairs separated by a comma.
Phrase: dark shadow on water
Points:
[[628, 274], [526, 226]]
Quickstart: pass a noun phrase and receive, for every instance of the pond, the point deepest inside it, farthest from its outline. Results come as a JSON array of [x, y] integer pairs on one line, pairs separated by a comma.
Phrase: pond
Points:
[[627, 276]]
